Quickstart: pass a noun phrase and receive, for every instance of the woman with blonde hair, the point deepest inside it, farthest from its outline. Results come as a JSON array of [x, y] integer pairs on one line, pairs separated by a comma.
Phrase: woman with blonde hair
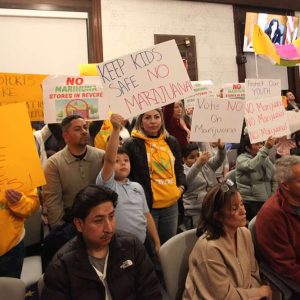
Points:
[[156, 164]]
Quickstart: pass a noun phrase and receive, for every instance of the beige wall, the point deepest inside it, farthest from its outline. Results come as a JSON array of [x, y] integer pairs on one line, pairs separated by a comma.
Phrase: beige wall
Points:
[[130, 25]]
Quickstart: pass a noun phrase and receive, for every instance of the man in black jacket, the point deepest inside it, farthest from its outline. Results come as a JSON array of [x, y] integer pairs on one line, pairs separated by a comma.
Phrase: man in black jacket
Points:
[[99, 263]]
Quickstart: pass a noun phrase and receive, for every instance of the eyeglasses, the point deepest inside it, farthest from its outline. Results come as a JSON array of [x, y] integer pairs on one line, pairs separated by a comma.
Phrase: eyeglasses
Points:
[[226, 185]]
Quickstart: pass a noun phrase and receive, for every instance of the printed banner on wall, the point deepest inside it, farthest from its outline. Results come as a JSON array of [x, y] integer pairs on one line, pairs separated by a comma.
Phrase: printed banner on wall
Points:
[[265, 118], [216, 118], [23, 88], [64, 96], [20, 166], [145, 80]]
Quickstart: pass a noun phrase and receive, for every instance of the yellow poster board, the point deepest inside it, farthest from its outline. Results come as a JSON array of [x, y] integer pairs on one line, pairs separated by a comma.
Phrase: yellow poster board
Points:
[[88, 70], [20, 166], [27, 88]]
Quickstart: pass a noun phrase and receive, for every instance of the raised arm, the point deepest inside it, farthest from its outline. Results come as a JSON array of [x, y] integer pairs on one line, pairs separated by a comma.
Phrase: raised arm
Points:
[[112, 147], [216, 161], [197, 166], [246, 164]]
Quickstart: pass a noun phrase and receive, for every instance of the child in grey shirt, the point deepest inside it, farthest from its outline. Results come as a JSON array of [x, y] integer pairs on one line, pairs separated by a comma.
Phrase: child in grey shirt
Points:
[[200, 170]]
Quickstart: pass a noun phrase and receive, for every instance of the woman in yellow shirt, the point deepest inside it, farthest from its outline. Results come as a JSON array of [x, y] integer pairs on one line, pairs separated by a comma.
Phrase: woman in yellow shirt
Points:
[[156, 164], [15, 207]]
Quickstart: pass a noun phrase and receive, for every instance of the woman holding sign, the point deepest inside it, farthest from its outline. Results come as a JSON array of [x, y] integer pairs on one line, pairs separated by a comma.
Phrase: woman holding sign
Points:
[[156, 165], [255, 174]]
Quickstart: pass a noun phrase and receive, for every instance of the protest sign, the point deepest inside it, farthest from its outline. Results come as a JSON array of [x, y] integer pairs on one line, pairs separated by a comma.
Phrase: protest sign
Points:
[[214, 118], [233, 91], [23, 88], [64, 96], [145, 80], [264, 118], [293, 118], [201, 89], [256, 89], [20, 166]]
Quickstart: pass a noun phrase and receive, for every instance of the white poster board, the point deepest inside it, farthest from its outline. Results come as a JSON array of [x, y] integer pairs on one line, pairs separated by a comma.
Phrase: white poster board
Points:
[[293, 118], [145, 80], [262, 88], [216, 118], [65, 95], [265, 118], [233, 90], [202, 89]]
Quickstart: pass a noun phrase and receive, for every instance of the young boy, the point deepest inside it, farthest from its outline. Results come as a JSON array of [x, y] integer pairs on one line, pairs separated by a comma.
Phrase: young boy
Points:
[[200, 171], [132, 212]]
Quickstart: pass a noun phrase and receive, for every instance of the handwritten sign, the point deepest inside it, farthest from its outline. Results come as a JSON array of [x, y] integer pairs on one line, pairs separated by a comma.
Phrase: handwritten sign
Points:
[[202, 89], [214, 118], [23, 88], [265, 118], [145, 80], [20, 166], [64, 96], [259, 89], [234, 90], [293, 119]]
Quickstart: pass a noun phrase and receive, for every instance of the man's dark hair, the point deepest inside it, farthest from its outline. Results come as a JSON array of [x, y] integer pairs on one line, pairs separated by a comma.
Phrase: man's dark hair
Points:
[[91, 196], [289, 91], [213, 207], [65, 123], [187, 149]]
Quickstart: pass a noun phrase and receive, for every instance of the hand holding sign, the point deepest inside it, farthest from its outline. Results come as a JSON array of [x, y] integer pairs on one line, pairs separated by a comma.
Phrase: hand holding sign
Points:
[[270, 142], [220, 144], [117, 121], [204, 157], [12, 196]]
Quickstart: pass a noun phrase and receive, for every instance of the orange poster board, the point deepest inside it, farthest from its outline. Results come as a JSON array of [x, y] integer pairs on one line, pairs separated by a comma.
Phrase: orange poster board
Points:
[[27, 88], [20, 166]]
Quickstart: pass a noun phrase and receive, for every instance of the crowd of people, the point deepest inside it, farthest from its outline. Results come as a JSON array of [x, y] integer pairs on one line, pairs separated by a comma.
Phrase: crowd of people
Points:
[[111, 209]]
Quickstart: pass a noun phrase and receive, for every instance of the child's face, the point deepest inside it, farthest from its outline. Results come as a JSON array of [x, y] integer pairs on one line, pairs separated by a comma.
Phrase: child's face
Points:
[[122, 167], [191, 158]]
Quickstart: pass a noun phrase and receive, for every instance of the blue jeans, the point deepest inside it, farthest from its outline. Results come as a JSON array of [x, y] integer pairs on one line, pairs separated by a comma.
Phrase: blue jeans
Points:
[[11, 263], [191, 222], [166, 220]]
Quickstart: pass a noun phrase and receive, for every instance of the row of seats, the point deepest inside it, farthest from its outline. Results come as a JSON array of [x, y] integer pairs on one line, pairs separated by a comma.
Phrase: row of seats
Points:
[[174, 255], [13, 288]]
